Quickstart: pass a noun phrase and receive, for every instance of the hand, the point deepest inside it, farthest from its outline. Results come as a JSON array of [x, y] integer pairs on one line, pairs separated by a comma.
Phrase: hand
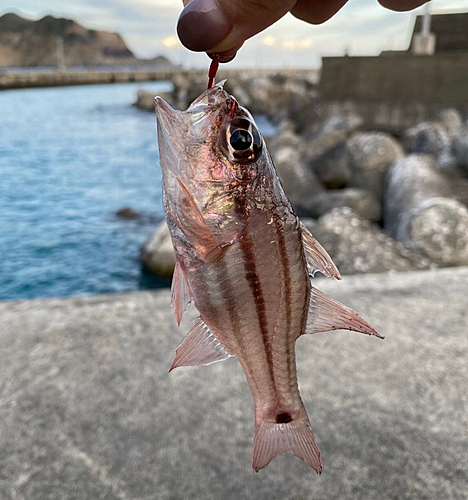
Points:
[[221, 26]]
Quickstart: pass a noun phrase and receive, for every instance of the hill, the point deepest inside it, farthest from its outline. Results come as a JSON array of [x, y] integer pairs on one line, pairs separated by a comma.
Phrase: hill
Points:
[[24, 42]]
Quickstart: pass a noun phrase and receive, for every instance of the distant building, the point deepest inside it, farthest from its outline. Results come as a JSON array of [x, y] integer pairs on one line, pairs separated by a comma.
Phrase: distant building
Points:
[[450, 30], [403, 88]]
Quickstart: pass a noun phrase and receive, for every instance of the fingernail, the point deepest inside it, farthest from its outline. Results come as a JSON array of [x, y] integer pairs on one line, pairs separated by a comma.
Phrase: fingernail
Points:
[[226, 55], [223, 58], [202, 24]]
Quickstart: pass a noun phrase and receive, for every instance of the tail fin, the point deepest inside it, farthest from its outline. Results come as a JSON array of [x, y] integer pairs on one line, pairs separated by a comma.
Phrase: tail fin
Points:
[[273, 439]]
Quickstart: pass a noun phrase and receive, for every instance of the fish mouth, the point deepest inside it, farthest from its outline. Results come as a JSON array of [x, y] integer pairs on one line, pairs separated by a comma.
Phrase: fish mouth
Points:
[[209, 110], [212, 98], [162, 107], [168, 118]]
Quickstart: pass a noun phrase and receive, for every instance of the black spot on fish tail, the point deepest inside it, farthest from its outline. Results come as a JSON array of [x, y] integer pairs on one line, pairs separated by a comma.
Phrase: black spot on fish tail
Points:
[[283, 418]]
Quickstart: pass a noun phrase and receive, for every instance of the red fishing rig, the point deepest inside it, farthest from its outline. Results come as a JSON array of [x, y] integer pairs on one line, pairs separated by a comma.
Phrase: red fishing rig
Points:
[[214, 66], [212, 71], [233, 107]]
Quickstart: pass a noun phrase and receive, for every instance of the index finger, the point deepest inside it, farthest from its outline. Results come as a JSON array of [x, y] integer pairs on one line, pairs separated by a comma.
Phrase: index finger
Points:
[[316, 11], [402, 5]]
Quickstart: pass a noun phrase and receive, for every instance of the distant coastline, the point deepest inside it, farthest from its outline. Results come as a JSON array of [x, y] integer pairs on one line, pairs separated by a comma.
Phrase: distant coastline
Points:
[[62, 43]]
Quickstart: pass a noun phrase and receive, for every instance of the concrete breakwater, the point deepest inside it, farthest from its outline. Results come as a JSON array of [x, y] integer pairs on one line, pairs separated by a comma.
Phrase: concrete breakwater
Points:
[[396, 91], [343, 179], [30, 79], [62, 78]]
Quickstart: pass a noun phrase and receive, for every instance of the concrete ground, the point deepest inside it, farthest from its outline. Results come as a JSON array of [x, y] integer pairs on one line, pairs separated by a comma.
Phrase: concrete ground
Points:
[[89, 411]]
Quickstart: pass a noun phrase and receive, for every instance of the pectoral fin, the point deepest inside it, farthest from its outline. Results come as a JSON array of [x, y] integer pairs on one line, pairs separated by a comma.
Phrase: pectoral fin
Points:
[[327, 314], [195, 228], [199, 347], [317, 257], [181, 295]]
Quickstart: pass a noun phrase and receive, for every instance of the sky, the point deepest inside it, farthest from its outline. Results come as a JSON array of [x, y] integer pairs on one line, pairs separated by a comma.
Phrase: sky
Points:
[[362, 27]]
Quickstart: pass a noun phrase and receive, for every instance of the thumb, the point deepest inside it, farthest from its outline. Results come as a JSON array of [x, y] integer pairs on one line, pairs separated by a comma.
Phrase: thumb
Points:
[[222, 26]]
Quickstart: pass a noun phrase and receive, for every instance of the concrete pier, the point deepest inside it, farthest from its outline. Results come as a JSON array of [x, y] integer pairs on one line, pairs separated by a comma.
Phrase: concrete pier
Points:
[[88, 409], [18, 80]]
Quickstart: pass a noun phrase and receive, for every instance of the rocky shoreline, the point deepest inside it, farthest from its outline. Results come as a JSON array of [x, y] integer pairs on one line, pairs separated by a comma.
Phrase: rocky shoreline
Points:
[[377, 202]]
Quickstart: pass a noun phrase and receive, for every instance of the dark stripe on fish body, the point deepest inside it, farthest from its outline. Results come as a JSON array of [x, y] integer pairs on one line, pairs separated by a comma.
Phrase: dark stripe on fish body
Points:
[[305, 307], [251, 275], [207, 304], [287, 289], [229, 301]]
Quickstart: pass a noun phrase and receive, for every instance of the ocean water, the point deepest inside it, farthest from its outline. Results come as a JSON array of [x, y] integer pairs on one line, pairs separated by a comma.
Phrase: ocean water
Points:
[[69, 159]]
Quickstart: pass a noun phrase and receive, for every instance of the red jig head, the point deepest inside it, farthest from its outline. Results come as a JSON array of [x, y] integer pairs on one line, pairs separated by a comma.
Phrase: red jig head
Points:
[[233, 107], [212, 72]]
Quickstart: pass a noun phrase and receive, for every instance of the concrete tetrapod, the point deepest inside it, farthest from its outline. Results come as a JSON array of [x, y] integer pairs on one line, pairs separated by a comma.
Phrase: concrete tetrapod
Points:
[[420, 212]]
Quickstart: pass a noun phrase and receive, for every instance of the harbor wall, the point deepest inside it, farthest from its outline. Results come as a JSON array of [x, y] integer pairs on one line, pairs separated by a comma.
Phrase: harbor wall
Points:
[[395, 91]]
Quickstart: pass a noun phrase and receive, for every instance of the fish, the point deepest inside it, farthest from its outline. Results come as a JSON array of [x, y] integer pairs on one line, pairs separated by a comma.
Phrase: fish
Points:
[[245, 261]]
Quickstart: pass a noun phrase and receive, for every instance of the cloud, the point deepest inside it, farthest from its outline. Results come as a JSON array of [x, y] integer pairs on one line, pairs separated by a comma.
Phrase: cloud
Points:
[[290, 43], [170, 42], [148, 26], [269, 41]]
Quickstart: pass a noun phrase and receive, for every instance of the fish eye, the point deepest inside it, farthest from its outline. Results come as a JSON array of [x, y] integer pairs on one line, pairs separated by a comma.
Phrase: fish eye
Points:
[[241, 141]]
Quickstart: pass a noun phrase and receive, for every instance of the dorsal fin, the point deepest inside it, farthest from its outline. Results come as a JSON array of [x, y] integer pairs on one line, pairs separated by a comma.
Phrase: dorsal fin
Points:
[[199, 347], [181, 295], [326, 314], [317, 257]]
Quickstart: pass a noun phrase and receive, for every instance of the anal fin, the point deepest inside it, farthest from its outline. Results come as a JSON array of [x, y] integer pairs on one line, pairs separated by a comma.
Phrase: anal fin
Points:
[[326, 314], [181, 295], [317, 257], [199, 347]]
